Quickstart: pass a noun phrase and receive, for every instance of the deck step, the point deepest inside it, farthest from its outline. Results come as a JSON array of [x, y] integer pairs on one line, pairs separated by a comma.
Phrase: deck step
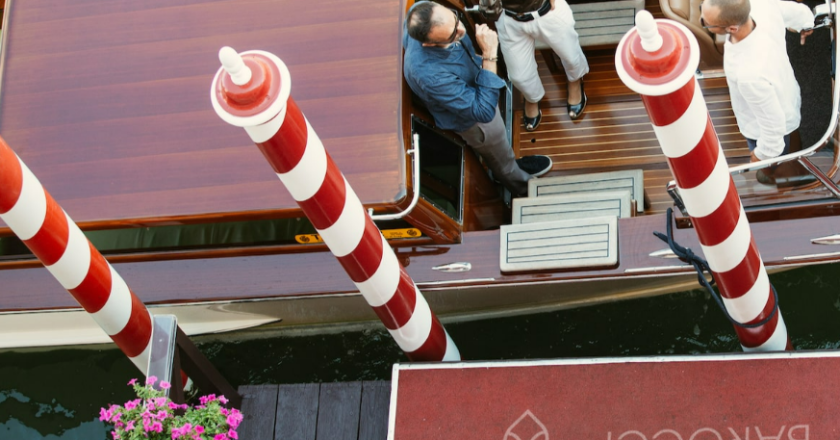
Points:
[[603, 23], [559, 244], [569, 206], [630, 180]]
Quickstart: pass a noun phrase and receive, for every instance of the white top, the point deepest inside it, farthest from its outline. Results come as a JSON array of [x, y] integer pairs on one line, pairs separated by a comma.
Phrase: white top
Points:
[[765, 95]]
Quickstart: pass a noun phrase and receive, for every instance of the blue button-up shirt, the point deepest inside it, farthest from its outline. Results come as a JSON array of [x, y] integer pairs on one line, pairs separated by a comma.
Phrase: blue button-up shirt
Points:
[[451, 82]]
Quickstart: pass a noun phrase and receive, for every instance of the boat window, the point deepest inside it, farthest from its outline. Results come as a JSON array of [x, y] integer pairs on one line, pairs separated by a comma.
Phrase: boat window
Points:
[[221, 235], [441, 169]]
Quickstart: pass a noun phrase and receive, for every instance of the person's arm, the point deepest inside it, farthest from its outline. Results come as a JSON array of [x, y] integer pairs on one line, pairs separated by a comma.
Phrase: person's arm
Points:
[[488, 41], [452, 93], [797, 17], [764, 104]]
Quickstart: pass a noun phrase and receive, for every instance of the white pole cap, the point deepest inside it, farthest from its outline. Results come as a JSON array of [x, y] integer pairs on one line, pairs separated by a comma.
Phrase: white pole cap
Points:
[[239, 73], [648, 31]]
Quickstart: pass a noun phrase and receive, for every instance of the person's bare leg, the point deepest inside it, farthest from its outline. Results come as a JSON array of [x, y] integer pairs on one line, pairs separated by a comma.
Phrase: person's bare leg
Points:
[[574, 93]]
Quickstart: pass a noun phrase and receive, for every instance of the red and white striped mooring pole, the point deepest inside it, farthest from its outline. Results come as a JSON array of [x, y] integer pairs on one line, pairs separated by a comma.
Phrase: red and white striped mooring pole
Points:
[[252, 90], [37, 219], [657, 59]]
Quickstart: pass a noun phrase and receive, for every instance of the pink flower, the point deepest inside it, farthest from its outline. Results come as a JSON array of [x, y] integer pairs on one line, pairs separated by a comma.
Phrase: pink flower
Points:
[[220, 437], [161, 415], [129, 426], [223, 400], [205, 399], [116, 417], [132, 381], [105, 415], [173, 405], [199, 429], [232, 434], [151, 380], [235, 418], [116, 435], [165, 385], [160, 402], [224, 411], [131, 404], [157, 427]]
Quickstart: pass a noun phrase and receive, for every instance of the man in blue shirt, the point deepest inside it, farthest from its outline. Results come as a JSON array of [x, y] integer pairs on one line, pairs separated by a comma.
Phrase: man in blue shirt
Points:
[[461, 89]]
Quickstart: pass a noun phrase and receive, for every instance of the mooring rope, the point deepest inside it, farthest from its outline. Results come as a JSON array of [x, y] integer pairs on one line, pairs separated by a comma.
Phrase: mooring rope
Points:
[[702, 267]]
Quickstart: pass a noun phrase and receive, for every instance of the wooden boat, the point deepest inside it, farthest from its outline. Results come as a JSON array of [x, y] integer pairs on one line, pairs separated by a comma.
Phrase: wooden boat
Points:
[[107, 103]]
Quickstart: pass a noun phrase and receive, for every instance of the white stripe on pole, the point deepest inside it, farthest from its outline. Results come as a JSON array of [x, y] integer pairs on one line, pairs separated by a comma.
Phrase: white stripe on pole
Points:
[[748, 306], [729, 253], [683, 135], [706, 197], [116, 312], [382, 285], [416, 331], [72, 268], [30, 205], [346, 233]]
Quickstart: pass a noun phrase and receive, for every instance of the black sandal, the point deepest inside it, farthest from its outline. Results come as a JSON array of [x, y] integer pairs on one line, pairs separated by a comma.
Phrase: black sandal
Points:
[[531, 124], [576, 110]]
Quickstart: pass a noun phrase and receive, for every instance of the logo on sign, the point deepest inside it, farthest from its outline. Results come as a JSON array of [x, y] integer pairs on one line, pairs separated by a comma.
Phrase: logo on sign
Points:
[[526, 427]]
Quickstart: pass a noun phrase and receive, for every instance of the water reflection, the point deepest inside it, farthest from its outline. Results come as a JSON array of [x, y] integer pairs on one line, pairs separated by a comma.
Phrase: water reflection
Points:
[[57, 394]]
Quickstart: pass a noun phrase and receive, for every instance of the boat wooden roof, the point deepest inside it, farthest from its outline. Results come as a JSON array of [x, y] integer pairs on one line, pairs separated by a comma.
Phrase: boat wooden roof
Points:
[[108, 103]]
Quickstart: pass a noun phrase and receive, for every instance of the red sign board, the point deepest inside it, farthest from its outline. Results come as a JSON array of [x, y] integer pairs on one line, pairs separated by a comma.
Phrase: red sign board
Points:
[[777, 396]]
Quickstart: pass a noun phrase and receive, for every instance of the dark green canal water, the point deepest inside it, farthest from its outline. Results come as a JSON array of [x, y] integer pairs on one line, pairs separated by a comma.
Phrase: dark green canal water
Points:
[[56, 394]]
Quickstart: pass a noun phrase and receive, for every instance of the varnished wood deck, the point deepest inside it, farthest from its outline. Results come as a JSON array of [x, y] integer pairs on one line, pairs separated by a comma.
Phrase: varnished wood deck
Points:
[[615, 131], [108, 103], [328, 411]]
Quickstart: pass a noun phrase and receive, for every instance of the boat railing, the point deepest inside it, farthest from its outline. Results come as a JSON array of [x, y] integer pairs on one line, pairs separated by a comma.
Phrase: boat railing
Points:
[[414, 152], [823, 14]]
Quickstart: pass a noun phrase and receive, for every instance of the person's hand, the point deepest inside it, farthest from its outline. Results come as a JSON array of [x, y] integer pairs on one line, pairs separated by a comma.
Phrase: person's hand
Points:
[[803, 35], [487, 40], [753, 157]]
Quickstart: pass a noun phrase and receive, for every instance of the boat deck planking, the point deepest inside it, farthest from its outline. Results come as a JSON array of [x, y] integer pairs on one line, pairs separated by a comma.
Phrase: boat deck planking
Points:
[[615, 133], [327, 411], [120, 129]]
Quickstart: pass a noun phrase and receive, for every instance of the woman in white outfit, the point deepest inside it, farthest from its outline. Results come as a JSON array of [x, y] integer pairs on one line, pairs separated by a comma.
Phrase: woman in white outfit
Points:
[[520, 23]]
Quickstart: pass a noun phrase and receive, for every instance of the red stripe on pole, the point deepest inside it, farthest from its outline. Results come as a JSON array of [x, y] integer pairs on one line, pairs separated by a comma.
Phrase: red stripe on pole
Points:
[[362, 263], [736, 282], [50, 242], [135, 336], [435, 345], [95, 289], [325, 207], [694, 168], [11, 178], [753, 337], [398, 310], [666, 109], [285, 149], [716, 227]]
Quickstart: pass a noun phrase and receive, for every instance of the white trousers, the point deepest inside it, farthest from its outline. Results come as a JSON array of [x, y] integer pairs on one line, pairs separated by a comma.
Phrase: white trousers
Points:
[[557, 29]]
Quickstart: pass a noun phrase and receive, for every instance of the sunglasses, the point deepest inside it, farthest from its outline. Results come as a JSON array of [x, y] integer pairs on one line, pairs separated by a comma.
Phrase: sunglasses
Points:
[[454, 34]]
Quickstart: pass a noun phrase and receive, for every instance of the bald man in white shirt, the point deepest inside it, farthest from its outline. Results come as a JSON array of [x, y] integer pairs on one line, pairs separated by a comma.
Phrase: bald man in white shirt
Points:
[[764, 93]]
